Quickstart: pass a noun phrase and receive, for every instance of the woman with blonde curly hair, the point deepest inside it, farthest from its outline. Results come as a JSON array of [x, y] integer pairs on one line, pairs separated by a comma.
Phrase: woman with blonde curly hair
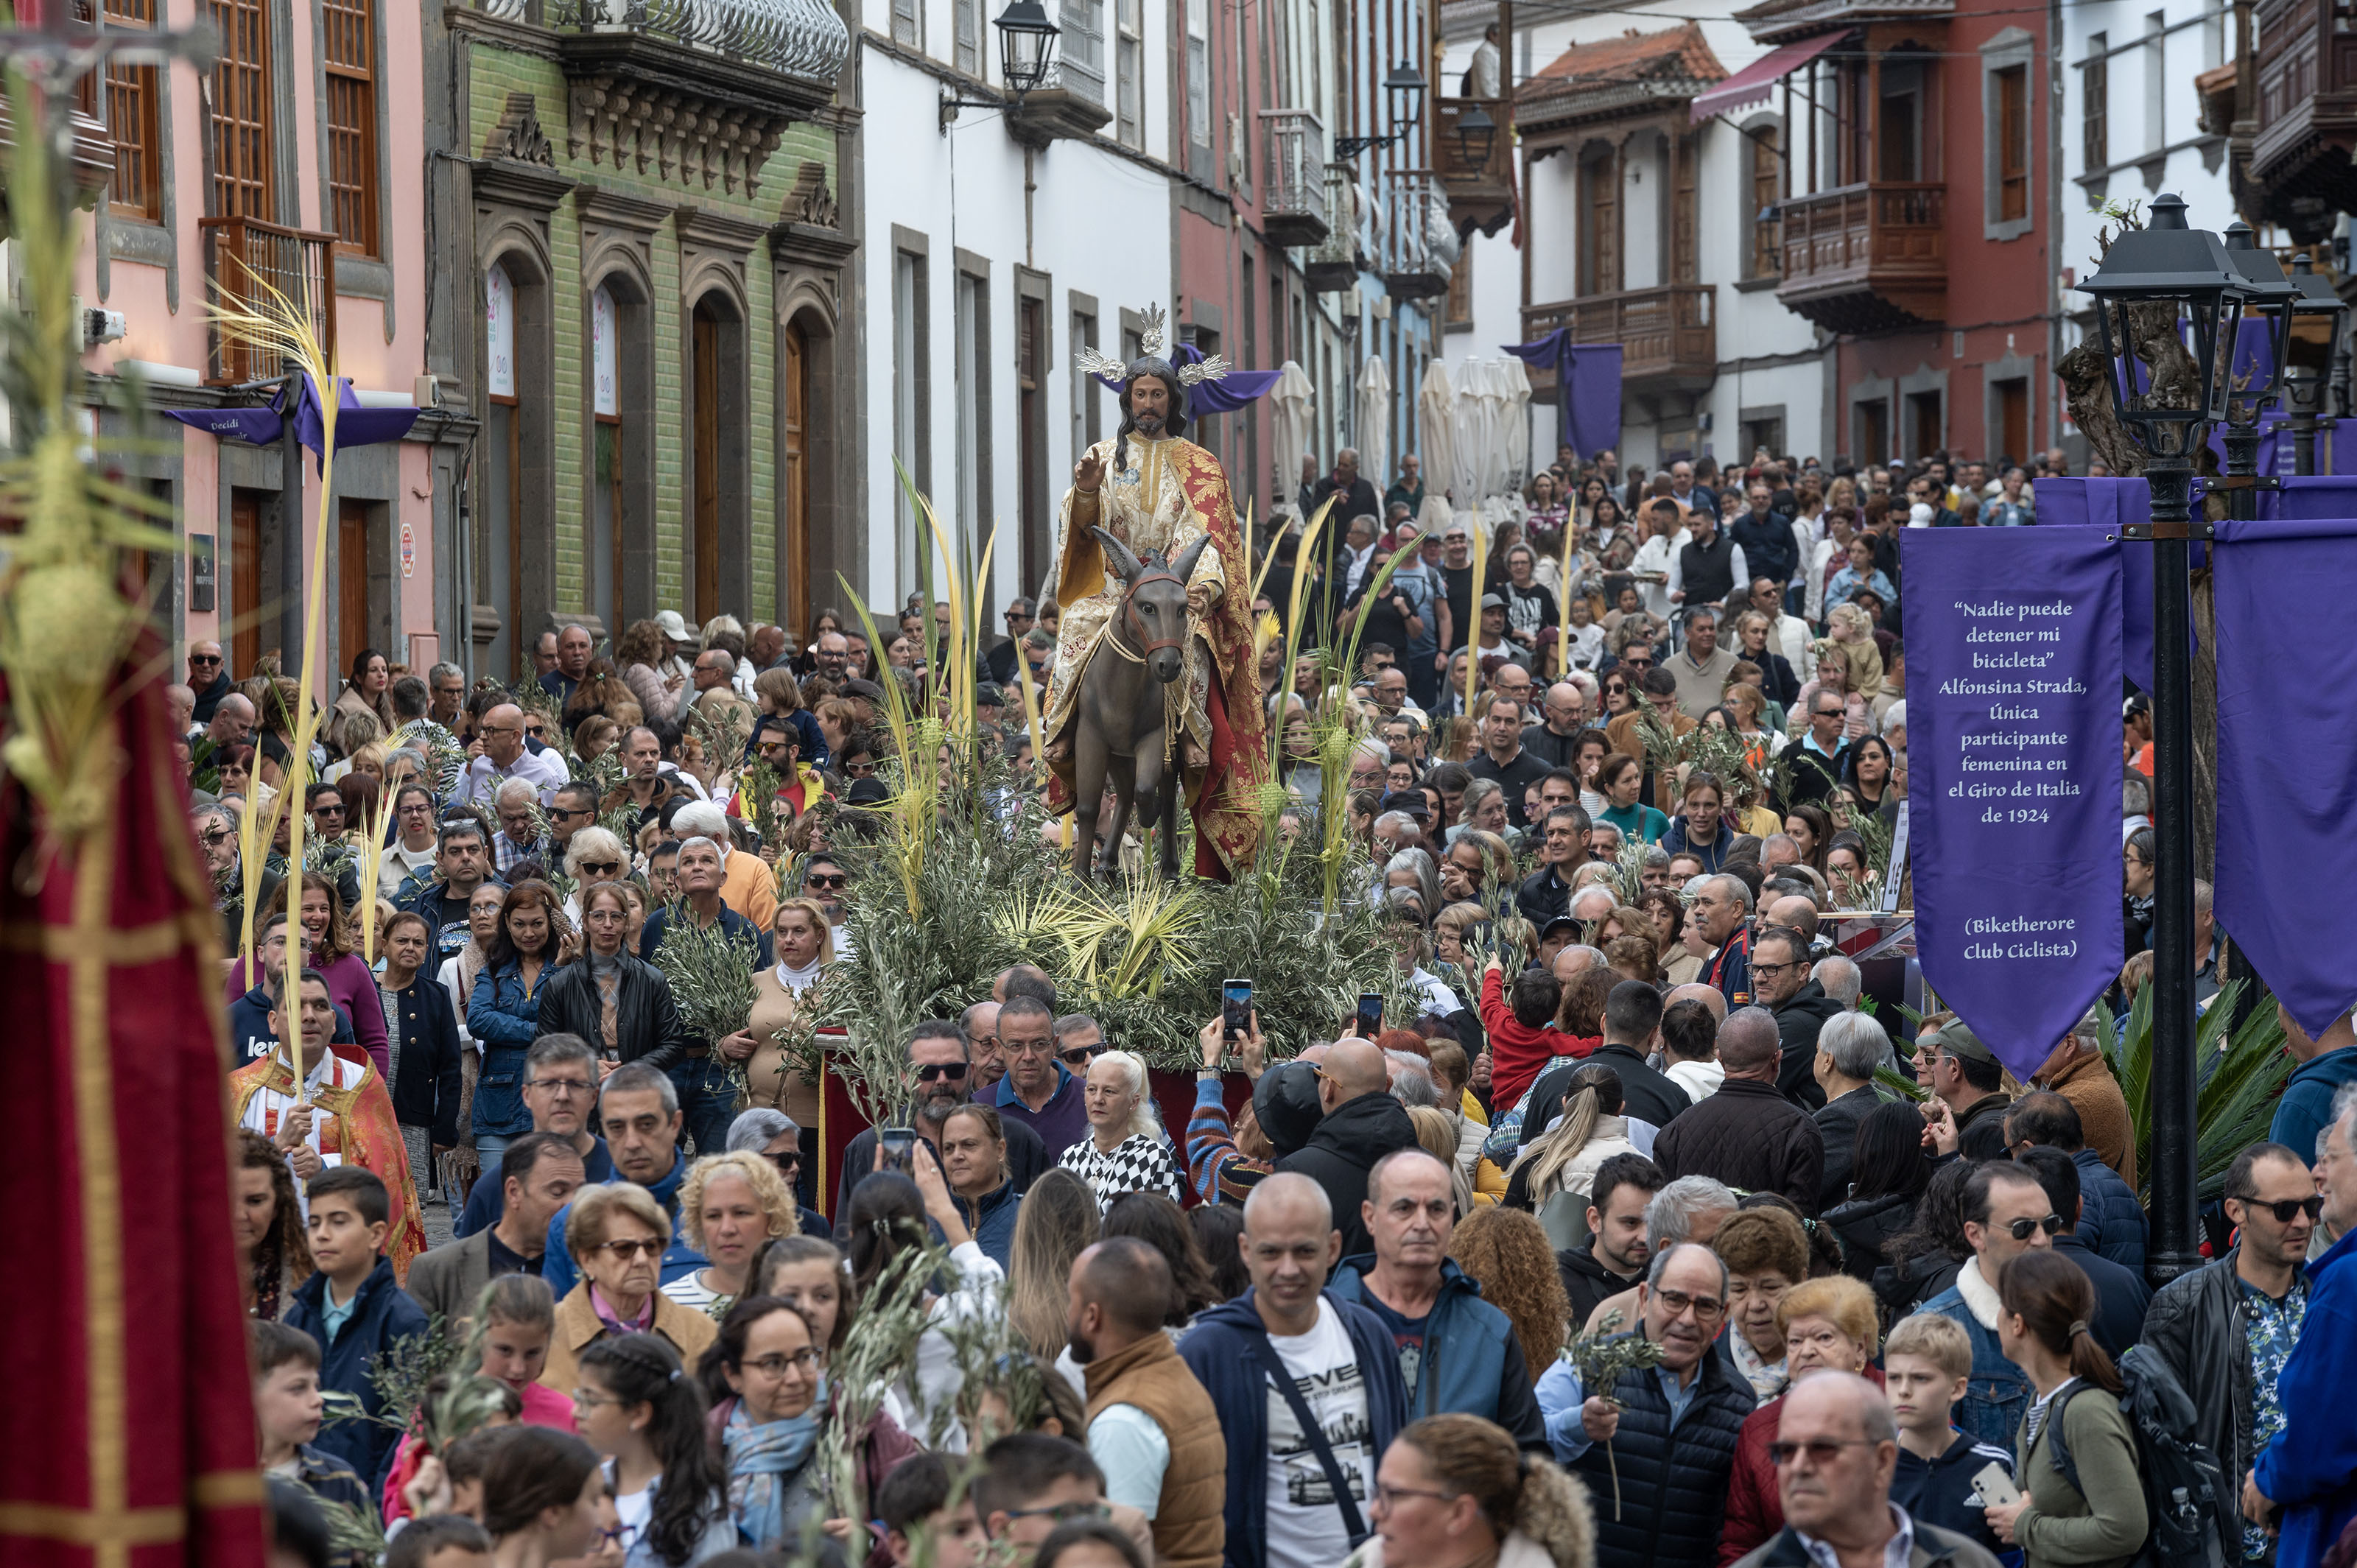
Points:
[[731, 1205], [1828, 1324], [1507, 1251], [1454, 1488]]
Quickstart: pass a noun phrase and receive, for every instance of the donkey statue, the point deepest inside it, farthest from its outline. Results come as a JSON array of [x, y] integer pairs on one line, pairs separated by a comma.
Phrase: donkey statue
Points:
[[1124, 730]]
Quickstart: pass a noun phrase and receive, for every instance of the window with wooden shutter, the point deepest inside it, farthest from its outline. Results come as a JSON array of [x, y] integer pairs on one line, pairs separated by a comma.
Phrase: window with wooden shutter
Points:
[[129, 110], [1766, 182], [2095, 90], [908, 23], [969, 37], [348, 49], [2013, 144], [243, 182]]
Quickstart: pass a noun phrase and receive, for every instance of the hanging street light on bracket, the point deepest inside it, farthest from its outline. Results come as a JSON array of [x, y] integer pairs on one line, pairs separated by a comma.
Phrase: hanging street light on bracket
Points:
[[1404, 87], [1026, 57]]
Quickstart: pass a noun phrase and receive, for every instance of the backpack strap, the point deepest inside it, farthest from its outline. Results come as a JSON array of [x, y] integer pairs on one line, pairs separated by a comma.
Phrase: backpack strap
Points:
[[1353, 1524], [2057, 1447]]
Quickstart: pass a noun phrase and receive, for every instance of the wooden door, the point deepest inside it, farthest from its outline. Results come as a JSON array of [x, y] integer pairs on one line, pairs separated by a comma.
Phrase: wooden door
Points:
[[1874, 432], [795, 477], [1031, 421], [352, 582], [244, 582], [707, 407]]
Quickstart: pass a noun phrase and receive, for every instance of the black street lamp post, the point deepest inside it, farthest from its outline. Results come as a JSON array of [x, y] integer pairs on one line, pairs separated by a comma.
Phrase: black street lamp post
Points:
[[2308, 356], [2169, 283], [2270, 297]]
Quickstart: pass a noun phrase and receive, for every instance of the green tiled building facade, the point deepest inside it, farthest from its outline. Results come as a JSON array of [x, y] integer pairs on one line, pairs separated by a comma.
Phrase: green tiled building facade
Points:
[[644, 271]]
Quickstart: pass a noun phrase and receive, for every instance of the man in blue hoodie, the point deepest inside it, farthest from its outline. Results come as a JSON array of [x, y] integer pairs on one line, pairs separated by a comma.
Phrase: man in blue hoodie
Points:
[[1457, 1354], [1284, 1507], [2306, 1476], [2325, 1065]]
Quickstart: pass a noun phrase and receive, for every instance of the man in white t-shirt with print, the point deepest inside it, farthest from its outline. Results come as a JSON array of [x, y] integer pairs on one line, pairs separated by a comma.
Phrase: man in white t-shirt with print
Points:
[[1282, 1508]]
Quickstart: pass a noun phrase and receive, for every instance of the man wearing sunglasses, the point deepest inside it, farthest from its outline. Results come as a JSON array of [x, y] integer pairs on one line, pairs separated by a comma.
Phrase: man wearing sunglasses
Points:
[[2121, 1294], [943, 1071], [2006, 1213], [2202, 1323], [208, 678], [2113, 1223]]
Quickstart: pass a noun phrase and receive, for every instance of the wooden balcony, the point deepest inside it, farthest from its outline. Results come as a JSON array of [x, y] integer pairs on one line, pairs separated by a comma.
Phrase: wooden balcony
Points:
[[2300, 169], [1293, 195], [1481, 195], [1668, 337], [1867, 258], [242, 254]]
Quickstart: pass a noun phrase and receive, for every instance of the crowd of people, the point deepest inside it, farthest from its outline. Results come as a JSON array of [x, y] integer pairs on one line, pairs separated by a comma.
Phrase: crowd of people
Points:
[[1629, 1247]]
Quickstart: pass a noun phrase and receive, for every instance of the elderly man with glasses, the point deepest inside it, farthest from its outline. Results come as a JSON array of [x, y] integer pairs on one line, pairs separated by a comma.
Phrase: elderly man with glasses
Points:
[[1666, 1432], [942, 1066], [208, 679]]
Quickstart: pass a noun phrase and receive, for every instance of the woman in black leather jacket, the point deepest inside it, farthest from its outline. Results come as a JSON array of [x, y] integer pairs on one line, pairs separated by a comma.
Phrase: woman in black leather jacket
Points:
[[646, 1022]]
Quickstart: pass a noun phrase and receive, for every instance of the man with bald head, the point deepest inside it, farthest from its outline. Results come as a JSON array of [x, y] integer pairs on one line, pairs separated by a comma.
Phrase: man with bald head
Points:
[[1358, 1123], [231, 723], [1842, 1448], [208, 678], [1748, 1134], [500, 755], [1780, 968], [1710, 996], [1307, 1387], [1798, 913], [1457, 1354], [1152, 1429]]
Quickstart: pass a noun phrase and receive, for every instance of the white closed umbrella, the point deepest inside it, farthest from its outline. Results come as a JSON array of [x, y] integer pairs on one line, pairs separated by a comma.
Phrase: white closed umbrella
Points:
[[1436, 430], [1293, 404], [1371, 414], [1469, 471], [1517, 419]]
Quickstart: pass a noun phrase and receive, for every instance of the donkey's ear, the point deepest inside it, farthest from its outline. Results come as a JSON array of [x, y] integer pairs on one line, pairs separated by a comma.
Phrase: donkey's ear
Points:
[[1119, 557], [1183, 568]]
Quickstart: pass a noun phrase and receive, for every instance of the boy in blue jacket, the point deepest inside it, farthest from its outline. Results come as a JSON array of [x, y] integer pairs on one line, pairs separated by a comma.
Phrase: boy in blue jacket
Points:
[[1926, 1364], [353, 1309]]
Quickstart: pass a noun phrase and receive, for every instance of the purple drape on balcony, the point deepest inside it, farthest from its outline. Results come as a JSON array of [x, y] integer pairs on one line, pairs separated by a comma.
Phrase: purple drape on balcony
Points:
[[355, 425], [1587, 388]]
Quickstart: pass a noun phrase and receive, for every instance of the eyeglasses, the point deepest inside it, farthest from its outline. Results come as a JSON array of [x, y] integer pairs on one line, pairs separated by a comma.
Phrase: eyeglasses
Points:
[[2021, 1228], [834, 884], [774, 1367], [1707, 1309], [204, 658], [2289, 1207], [1389, 1496], [216, 839], [788, 1163], [626, 1251], [560, 1086], [568, 811], [1757, 968], [1820, 1450], [614, 867], [859, 770], [1080, 1055], [953, 1071], [591, 1399]]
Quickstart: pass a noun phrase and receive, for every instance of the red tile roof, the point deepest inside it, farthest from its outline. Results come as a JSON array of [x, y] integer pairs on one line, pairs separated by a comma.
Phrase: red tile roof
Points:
[[1678, 55]]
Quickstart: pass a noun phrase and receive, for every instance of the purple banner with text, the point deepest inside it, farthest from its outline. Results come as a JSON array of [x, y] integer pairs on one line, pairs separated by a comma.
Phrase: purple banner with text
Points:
[[2013, 685]]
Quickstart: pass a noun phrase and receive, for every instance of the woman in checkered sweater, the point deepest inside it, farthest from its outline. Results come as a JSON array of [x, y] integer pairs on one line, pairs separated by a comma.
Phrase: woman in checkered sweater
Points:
[[1125, 1151]]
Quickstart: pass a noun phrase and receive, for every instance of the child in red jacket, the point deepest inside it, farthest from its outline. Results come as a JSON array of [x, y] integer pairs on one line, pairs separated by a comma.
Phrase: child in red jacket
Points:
[[1522, 1035]]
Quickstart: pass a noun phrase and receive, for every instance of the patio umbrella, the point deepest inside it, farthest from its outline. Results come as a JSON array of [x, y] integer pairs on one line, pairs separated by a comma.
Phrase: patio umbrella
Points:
[[1470, 420], [1436, 429], [1517, 418], [1292, 406], [1371, 414]]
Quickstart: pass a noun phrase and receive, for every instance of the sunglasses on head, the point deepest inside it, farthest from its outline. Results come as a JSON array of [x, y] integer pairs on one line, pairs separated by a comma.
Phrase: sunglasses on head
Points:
[[2312, 1206], [2021, 1228], [953, 1071]]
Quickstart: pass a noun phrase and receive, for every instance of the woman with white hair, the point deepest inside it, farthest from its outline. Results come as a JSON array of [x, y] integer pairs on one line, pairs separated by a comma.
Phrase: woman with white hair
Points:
[[746, 884], [595, 855], [1123, 1151]]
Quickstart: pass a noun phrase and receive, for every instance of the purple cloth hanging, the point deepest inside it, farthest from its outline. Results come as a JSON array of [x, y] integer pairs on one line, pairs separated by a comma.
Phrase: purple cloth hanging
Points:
[[355, 425], [1587, 388], [2013, 680], [2287, 757], [1237, 389], [2110, 504]]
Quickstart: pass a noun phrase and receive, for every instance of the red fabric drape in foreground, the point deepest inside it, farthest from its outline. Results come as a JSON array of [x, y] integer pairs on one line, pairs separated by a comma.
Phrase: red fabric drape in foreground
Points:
[[126, 1437]]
